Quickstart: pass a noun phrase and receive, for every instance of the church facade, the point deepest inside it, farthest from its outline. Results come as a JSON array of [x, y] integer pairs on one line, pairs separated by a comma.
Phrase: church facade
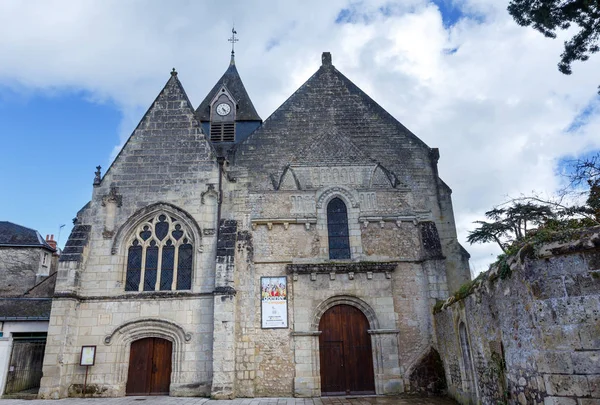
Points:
[[225, 256]]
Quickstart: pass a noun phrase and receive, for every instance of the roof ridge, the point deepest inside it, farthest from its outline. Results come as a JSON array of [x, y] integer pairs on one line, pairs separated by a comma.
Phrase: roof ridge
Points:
[[349, 84], [173, 80]]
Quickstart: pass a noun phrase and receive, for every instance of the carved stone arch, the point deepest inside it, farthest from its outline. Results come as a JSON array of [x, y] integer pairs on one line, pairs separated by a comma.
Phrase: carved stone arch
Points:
[[344, 300], [425, 373], [331, 192], [210, 192], [289, 181], [122, 337], [382, 177], [142, 214], [286, 181]]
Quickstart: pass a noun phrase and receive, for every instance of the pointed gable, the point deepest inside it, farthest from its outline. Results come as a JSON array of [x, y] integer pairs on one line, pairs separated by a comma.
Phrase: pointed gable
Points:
[[167, 144], [329, 119], [233, 83]]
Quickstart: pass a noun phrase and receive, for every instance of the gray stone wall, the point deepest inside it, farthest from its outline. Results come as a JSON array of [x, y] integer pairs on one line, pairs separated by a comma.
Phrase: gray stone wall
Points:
[[532, 337], [21, 268], [166, 167], [261, 212]]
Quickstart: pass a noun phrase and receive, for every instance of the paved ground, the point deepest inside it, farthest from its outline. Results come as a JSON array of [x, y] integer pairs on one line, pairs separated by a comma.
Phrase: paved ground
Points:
[[240, 401]]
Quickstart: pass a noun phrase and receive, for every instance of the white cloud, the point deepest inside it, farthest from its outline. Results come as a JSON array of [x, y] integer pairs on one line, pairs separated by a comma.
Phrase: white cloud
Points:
[[485, 91]]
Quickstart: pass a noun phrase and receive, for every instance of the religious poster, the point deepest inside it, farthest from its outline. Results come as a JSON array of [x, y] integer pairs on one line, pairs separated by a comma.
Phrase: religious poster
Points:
[[88, 355], [274, 302]]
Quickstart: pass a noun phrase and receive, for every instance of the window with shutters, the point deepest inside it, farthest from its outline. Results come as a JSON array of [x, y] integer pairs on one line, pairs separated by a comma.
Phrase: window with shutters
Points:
[[222, 131], [160, 256], [337, 230]]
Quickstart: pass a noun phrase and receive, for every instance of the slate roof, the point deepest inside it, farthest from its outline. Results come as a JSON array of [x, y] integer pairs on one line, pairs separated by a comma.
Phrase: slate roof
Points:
[[329, 118], [25, 309], [17, 235], [232, 80], [77, 241], [167, 113]]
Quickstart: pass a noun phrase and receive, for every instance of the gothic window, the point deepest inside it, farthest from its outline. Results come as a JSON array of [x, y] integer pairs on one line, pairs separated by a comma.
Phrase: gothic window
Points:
[[159, 256], [337, 230]]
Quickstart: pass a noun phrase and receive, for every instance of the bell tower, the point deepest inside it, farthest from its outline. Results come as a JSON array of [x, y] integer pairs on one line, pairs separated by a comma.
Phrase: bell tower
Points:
[[227, 113], [222, 117]]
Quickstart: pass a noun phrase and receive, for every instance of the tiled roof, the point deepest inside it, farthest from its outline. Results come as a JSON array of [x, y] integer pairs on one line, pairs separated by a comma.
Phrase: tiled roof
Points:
[[17, 235], [25, 309], [76, 243]]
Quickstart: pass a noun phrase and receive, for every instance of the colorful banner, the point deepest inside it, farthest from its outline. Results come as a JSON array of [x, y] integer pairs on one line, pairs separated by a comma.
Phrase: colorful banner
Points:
[[273, 292]]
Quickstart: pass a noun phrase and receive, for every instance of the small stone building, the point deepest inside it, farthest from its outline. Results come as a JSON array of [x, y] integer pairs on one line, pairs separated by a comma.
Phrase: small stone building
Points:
[[225, 256], [28, 265]]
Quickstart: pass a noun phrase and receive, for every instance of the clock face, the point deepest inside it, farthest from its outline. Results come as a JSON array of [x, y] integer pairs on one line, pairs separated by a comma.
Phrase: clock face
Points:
[[223, 109]]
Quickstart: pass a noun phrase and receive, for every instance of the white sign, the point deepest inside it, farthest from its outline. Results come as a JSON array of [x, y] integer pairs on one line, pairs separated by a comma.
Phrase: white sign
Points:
[[273, 292], [88, 355]]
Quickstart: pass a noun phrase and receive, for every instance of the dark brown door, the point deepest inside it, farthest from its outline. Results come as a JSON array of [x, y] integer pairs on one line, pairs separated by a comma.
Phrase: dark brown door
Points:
[[345, 352], [149, 367]]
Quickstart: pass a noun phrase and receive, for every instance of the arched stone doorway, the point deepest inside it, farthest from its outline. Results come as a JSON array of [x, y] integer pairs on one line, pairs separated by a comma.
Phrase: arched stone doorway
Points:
[[149, 367], [345, 352]]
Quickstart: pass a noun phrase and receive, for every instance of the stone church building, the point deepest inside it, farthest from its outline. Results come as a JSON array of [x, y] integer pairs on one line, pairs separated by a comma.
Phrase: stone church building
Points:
[[222, 255]]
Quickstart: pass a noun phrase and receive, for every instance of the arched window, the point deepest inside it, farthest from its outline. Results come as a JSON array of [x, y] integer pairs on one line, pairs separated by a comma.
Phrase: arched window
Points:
[[159, 256], [337, 230]]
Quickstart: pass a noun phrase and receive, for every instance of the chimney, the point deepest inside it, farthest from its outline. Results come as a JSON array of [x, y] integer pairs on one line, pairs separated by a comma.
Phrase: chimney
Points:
[[50, 241]]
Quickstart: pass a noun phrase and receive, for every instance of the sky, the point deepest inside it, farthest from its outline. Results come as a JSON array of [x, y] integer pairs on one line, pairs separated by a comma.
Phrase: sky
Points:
[[77, 76]]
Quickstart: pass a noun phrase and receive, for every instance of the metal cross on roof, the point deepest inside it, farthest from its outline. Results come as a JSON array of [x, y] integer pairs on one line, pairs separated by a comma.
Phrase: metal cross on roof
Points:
[[233, 40]]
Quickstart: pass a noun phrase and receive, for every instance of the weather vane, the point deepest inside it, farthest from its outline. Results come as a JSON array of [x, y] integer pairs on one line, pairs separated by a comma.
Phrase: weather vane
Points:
[[233, 40]]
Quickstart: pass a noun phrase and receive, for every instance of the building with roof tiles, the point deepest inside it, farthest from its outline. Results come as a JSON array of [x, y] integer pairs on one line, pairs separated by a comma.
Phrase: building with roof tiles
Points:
[[28, 265], [226, 256]]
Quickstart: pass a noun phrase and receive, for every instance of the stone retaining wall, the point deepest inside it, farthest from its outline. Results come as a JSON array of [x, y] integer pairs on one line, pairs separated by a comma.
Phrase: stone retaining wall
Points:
[[529, 334]]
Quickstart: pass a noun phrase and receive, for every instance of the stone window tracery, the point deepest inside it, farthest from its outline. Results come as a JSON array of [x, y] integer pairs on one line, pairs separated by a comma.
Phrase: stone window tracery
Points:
[[160, 256]]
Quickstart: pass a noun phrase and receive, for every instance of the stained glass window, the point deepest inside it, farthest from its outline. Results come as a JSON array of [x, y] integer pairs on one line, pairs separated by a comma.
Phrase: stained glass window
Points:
[[160, 252], [337, 230], [184, 276]]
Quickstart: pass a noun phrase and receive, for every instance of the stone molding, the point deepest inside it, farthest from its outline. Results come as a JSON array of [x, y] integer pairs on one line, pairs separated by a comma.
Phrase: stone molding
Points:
[[133, 221], [329, 193], [124, 335], [113, 197], [307, 333], [269, 222], [349, 267], [144, 326], [210, 190], [397, 218], [383, 331], [134, 295], [344, 300]]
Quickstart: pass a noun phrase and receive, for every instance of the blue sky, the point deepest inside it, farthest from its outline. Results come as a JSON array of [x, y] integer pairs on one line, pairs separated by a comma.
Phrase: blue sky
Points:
[[51, 143], [76, 77]]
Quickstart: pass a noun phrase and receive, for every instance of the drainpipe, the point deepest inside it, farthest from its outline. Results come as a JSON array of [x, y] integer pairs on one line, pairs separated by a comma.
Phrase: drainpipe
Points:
[[221, 162]]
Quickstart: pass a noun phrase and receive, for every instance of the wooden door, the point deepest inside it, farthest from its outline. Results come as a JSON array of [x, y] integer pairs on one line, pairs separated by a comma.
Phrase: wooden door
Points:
[[345, 352], [25, 366], [149, 367]]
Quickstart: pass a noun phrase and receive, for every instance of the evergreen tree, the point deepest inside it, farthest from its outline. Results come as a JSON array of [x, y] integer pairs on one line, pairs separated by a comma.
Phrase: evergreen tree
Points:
[[550, 16]]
